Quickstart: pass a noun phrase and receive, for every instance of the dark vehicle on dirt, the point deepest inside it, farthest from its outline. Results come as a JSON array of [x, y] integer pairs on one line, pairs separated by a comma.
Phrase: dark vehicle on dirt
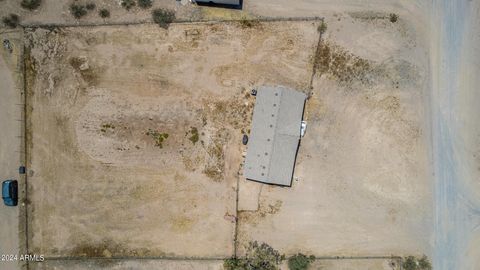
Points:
[[10, 192]]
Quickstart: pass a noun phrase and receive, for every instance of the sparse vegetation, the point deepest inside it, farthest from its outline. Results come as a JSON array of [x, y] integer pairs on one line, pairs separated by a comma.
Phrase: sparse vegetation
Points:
[[78, 10], [12, 20], [90, 6], [158, 137], [163, 17], [259, 256], [128, 4], [424, 263], [322, 28], [300, 262], [393, 17], [412, 263], [105, 127], [341, 64], [145, 3], [104, 13], [30, 4], [248, 23], [194, 135]]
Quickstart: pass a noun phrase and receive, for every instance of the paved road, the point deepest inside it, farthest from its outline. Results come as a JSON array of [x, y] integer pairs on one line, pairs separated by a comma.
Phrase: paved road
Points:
[[456, 137], [10, 128]]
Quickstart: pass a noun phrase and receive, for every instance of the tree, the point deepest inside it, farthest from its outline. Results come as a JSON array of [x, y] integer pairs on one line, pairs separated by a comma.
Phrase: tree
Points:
[[424, 263], [258, 257], [163, 17], [30, 4], [127, 4], [145, 3], [12, 20], [104, 13], [300, 262], [77, 10]]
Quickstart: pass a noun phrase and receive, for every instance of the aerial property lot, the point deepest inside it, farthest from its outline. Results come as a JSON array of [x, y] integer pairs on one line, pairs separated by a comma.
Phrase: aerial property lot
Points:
[[135, 139], [361, 184], [135, 144]]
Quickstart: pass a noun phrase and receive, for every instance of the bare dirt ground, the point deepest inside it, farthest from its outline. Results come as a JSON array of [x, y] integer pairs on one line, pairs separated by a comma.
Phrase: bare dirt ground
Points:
[[131, 264], [11, 99], [362, 185], [136, 132], [333, 264]]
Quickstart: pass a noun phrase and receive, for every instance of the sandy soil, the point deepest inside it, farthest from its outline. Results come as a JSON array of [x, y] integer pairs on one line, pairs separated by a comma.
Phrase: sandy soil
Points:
[[11, 143], [130, 264], [361, 182], [106, 178], [344, 264]]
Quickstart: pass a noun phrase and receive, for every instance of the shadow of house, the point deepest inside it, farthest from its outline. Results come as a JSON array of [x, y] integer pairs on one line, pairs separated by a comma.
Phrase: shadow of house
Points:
[[231, 4]]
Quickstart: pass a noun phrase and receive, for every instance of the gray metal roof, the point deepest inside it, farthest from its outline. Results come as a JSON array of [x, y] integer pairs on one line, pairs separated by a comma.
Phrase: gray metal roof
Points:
[[275, 135]]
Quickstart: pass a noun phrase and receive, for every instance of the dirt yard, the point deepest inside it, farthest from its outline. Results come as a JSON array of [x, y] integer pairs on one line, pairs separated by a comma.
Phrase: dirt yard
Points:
[[362, 183], [135, 132]]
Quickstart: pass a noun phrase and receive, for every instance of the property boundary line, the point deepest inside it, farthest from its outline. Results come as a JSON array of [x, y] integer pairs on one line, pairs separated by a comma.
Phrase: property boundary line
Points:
[[165, 258], [176, 22]]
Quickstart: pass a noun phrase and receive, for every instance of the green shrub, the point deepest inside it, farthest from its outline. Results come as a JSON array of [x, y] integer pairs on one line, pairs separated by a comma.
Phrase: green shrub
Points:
[[258, 256], [300, 262], [163, 17], [145, 3], [233, 264], [104, 13], [90, 6], [424, 263], [77, 10], [128, 4], [12, 20], [410, 263], [30, 4]]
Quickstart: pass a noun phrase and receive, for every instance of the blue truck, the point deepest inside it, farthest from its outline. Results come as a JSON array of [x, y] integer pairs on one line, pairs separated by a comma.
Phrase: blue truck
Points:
[[10, 192]]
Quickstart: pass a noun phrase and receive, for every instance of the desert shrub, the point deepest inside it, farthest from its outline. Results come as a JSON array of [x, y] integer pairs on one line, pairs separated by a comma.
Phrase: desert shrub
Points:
[[412, 263], [128, 4], [104, 13], [77, 10], [300, 262], [194, 135], [90, 6], [258, 256], [233, 264], [393, 17], [424, 263], [322, 28], [157, 136], [145, 3], [248, 23], [11, 20], [30, 4], [163, 17]]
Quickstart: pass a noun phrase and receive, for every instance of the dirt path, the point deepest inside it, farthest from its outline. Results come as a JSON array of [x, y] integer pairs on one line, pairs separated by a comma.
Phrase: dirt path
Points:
[[9, 152], [456, 134]]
